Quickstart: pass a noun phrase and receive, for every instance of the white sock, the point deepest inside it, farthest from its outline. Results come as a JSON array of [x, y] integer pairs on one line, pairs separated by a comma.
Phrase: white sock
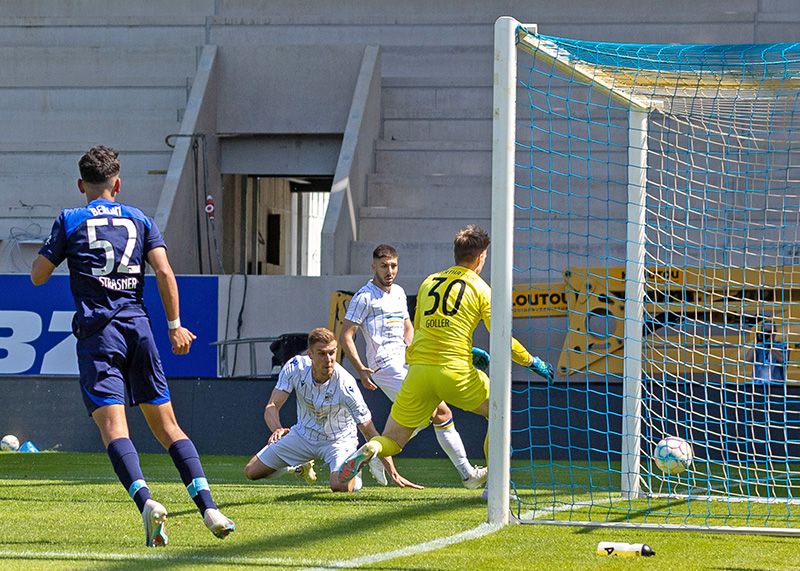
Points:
[[450, 441], [280, 472], [357, 483]]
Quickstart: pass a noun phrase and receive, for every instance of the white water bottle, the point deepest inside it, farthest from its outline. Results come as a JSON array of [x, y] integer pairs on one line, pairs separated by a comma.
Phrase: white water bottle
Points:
[[621, 549]]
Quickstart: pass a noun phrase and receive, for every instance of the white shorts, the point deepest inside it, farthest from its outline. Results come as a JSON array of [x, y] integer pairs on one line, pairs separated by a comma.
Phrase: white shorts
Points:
[[389, 378], [293, 450]]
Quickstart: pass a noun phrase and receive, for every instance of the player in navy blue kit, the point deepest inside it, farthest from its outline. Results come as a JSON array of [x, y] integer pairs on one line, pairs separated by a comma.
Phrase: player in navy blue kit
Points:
[[106, 245]]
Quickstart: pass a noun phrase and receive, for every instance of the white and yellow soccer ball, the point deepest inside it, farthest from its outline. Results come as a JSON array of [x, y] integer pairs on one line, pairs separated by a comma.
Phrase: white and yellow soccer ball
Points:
[[673, 455], [9, 443]]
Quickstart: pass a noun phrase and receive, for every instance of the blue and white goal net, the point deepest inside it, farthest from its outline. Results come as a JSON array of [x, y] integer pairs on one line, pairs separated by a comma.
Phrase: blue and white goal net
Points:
[[656, 258]]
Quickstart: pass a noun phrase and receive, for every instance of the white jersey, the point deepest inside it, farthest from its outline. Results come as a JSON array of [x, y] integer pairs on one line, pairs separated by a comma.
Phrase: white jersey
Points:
[[327, 411], [381, 316]]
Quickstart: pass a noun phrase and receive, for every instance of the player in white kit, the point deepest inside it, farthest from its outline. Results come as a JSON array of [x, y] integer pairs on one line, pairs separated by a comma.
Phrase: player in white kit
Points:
[[380, 310], [329, 408]]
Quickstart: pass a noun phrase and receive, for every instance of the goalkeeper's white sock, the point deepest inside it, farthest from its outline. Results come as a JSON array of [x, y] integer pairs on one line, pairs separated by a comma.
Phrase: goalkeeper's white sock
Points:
[[450, 441]]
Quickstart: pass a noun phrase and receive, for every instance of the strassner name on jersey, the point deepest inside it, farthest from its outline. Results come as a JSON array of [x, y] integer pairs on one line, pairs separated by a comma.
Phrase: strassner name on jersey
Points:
[[106, 244]]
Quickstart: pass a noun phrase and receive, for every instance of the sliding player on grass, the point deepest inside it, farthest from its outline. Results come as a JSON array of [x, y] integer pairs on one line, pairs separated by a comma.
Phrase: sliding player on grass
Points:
[[106, 245], [450, 304], [380, 310], [329, 407]]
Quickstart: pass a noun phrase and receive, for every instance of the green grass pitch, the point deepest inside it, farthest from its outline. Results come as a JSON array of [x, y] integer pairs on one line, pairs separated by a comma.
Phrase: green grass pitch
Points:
[[68, 511]]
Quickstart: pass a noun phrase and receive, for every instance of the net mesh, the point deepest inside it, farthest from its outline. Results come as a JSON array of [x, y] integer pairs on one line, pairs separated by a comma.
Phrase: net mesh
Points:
[[722, 280]]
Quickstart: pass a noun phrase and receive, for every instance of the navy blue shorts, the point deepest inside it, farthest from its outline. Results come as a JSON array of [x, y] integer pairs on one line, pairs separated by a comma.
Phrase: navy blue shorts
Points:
[[121, 360]]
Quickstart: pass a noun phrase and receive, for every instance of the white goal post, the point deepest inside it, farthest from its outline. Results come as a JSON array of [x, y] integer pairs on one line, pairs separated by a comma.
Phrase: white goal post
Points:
[[503, 120]]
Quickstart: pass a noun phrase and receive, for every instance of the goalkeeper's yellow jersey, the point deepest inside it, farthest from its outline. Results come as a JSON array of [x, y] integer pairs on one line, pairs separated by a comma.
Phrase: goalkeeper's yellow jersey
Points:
[[450, 304]]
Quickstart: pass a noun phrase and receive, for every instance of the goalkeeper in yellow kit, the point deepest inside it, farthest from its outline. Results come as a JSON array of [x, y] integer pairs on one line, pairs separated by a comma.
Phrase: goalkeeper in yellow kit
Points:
[[442, 362]]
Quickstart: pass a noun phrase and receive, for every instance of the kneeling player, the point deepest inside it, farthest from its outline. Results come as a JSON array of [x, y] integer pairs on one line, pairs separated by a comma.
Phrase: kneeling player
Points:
[[329, 407]]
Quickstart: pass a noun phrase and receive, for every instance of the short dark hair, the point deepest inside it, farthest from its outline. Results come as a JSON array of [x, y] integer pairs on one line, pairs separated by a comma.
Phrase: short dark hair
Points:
[[320, 335], [470, 242], [384, 251], [99, 164]]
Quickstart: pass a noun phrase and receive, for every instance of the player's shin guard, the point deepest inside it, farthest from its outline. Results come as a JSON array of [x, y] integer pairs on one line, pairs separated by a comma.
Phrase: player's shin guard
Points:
[[125, 461], [388, 446], [187, 461]]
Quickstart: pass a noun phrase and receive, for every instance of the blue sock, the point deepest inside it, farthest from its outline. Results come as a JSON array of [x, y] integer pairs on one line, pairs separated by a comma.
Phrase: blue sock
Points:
[[187, 461], [125, 461]]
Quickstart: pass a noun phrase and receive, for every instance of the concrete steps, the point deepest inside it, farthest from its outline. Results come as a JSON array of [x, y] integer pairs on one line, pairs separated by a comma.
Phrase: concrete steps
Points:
[[434, 191], [57, 102], [155, 31], [424, 102], [96, 66], [441, 224], [51, 193], [431, 225], [95, 12], [416, 258], [112, 23], [56, 118], [73, 132], [413, 158], [65, 163], [433, 166], [463, 63], [103, 100], [35, 184], [437, 129], [425, 257]]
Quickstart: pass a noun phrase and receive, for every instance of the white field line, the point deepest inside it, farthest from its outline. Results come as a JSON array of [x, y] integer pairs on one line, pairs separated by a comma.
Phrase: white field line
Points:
[[479, 531], [166, 557], [474, 533]]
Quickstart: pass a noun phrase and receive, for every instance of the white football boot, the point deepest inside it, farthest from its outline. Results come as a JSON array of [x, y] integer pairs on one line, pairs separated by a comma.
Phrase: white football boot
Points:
[[217, 523], [377, 471], [154, 515], [477, 478]]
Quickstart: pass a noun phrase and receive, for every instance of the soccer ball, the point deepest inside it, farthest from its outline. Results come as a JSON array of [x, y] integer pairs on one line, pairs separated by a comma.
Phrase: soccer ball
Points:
[[10, 443], [673, 455]]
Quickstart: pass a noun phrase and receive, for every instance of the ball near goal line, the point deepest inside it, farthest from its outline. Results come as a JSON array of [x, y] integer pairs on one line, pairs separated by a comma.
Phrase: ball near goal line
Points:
[[673, 455]]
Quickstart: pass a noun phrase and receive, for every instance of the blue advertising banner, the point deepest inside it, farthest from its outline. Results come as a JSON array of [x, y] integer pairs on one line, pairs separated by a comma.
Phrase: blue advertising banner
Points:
[[36, 326]]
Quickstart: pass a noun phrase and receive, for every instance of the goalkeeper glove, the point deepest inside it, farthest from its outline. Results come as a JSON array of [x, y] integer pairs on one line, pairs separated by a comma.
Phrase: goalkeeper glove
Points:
[[542, 368], [480, 359]]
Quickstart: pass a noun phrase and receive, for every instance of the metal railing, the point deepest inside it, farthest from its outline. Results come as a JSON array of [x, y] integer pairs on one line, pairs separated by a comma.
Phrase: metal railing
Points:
[[251, 342]]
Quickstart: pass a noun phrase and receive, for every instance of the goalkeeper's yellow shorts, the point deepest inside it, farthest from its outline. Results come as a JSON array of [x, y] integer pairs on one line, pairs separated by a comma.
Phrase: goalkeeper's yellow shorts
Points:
[[425, 386]]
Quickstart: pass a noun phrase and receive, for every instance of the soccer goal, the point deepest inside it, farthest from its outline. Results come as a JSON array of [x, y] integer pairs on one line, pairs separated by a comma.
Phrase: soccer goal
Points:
[[646, 240]]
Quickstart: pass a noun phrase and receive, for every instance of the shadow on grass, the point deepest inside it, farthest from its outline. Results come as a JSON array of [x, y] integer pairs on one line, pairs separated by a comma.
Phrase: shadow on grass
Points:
[[365, 528], [372, 496], [654, 509], [328, 520], [608, 514]]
